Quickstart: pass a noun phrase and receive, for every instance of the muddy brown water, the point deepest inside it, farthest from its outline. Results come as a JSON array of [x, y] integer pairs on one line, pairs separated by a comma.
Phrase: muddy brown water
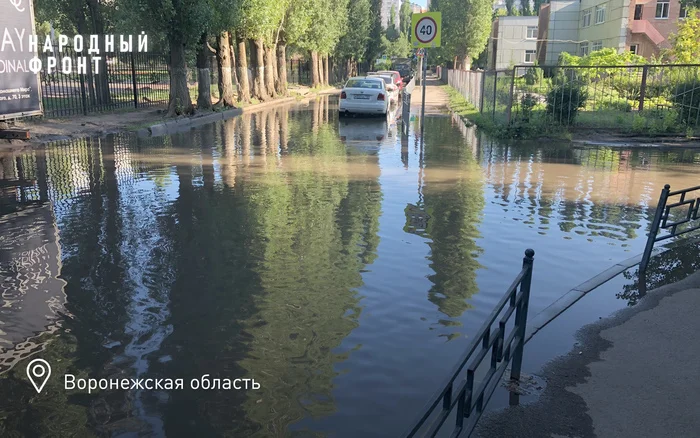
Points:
[[341, 264]]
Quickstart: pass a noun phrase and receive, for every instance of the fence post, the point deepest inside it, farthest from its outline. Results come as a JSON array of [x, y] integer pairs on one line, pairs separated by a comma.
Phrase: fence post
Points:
[[521, 314], [133, 80], [643, 88], [495, 90], [481, 91], [510, 99], [83, 97], [654, 229]]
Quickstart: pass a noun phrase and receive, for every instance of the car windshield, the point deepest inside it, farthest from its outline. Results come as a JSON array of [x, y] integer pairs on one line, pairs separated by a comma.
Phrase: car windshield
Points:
[[388, 80], [364, 83]]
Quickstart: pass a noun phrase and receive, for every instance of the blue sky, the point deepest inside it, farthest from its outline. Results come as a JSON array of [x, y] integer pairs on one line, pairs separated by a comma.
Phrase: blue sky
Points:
[[420, 2]]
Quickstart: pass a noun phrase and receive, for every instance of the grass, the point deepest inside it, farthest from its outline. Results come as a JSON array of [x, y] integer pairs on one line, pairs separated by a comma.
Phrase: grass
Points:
[[617, 117]]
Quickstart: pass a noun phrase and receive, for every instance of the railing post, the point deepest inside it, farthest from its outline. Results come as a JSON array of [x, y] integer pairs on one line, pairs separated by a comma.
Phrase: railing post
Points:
[[133, 80], [512, 90], [495, 90], [654, 229], [643, 87], [481, 91], [521, 315]]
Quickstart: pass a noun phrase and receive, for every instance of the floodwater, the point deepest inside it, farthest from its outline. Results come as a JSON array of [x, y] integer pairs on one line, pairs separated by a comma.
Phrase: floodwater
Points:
[[342, 265]]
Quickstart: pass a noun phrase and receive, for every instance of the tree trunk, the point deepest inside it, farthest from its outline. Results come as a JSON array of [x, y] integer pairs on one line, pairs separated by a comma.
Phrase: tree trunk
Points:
[[284, 129], [454, 63], [180, 101], [243, 82], [269, 71], [224, 63], [258, 61], [466, 63], [203, 74], [234, 64], [321, 75], [315, 78], [282, 69], [326, 72], [101, 75]]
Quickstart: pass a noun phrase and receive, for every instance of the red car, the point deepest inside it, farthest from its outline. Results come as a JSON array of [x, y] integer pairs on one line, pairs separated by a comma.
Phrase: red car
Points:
[[394, 74]]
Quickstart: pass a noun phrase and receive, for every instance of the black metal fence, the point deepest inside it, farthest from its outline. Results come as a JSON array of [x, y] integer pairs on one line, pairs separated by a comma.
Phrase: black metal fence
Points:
[[655, 97], [124, 80], [503, 345], [127, 80], [675, 217]]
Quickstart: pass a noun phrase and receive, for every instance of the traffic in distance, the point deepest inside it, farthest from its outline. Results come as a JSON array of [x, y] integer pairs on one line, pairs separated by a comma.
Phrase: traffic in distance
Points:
[[376, 92]]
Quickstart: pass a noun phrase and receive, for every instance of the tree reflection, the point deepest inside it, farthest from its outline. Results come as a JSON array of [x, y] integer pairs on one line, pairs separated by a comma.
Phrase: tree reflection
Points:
[[673, 265], [454, 200]]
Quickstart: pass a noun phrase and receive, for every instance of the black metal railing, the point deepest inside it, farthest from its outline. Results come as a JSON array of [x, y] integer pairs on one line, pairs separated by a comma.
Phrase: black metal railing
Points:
[[470, 402], [677, 223]]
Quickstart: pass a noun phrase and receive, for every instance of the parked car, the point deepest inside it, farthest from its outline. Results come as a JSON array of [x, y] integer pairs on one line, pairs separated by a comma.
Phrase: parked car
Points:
[[391, 88], [364, 95], [394, 74]]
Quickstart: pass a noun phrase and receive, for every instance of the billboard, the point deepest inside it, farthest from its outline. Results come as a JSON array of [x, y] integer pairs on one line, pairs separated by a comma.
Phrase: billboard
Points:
[[20, 89]]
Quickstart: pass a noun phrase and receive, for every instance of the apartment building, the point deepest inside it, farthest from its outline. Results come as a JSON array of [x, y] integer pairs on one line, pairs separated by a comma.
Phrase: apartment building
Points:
[[582, 27], [513, 41], [387, 6]]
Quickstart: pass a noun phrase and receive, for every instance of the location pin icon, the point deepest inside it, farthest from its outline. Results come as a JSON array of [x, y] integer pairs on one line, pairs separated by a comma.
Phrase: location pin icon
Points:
[[38, 372]]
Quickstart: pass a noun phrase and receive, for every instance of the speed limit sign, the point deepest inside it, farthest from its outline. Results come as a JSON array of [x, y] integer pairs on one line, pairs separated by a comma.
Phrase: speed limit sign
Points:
[[426, 29]]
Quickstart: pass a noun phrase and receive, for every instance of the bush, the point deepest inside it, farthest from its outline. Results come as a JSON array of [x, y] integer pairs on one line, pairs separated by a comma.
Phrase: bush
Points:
[[564, 101], [686, 101], [534, 75], [617, 105], [527, 103]]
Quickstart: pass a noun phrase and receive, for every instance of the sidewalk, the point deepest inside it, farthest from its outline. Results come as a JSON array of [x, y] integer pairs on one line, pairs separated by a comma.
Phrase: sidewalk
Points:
[[637, 375], [436, 100]]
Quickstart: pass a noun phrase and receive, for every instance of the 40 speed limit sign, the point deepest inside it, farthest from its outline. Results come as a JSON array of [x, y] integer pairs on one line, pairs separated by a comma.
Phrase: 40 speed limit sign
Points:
[[426, 29]]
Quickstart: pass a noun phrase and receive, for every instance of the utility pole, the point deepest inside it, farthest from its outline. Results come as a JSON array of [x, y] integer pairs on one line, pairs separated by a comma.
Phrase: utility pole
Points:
[[422, 107]]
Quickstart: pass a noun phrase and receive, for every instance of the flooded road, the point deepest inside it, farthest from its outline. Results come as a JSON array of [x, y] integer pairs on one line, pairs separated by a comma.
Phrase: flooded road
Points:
[[342, 265]]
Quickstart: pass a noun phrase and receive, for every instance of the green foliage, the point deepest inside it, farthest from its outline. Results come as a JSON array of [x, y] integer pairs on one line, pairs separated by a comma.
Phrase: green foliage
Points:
[[686, 100], [655, 122], [353, 44], [326, 27], [466, 25], [685, 44], [527, 103], [603, 57], [564, 101], [405, 14], [534, 75]]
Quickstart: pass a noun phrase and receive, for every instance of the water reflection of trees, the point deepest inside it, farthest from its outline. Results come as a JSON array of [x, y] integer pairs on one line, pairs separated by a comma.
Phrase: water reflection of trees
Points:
[[681, 260], [280, 254], [454, 200]]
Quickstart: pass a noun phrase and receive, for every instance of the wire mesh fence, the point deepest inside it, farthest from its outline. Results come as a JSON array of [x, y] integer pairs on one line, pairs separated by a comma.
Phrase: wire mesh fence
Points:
[[658, 97]]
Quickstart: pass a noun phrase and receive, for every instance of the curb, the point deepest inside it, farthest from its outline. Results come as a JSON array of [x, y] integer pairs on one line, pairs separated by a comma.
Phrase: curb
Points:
[[185, 123]]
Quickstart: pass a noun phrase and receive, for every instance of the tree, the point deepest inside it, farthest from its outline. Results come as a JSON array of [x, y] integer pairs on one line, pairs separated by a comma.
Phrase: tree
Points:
[[466, 25], [405, 17], [352, 46], [323, 34], [296, 21], [685, 44], [224, 19], [182, 23]]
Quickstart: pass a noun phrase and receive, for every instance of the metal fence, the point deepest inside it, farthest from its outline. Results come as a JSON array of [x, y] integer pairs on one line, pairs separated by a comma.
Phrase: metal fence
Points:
[[656, 96], [502, 344], [129, 80], [675, 217]]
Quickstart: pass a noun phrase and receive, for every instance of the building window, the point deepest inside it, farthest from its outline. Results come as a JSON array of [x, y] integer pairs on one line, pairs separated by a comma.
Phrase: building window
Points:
[[600, 14], [587, 17], [638, 11], [530, 56], [683, 13], [662, 7], [532, 32], [634, 49], [597, 45], [583, 49]]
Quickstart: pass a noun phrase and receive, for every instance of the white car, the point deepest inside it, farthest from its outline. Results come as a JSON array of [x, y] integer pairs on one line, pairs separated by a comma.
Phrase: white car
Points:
[[366, 95], [391, 88]]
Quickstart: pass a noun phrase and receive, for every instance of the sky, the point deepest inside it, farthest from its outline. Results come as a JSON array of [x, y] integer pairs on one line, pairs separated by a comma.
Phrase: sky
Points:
[[420, 2]]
